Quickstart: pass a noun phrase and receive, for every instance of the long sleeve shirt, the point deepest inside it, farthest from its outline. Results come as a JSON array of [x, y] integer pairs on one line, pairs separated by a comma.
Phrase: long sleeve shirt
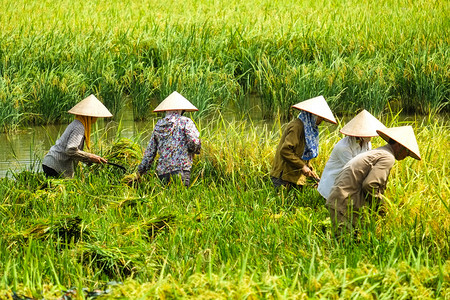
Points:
[[363, 178], [176, 139], [342, 153], [287, 163], [67, 150]]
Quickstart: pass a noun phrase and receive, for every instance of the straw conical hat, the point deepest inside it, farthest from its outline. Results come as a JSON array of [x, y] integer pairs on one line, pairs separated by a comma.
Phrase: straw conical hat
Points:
[[317, 106], [404, 135], [91, 107], [175, 101], [362, 125]]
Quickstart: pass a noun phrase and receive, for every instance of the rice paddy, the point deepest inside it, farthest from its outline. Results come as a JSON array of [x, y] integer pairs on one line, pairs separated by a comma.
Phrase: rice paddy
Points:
[[231, 234]]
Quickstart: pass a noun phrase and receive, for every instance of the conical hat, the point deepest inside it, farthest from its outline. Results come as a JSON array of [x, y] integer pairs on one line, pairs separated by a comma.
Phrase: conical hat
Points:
[[362, 125], [404, 135], [175, 101], [90, 107], [317, 106]]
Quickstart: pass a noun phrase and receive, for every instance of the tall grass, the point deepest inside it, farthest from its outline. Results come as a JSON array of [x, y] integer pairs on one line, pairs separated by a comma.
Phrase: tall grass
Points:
[[221, 55], [230, 235]]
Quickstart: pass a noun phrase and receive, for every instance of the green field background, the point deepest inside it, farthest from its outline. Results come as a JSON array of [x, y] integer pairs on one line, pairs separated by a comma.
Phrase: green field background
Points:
[[222, 55]]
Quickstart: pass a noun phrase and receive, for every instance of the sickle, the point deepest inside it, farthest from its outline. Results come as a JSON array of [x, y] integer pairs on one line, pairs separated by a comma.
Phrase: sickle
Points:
[[117, 165]]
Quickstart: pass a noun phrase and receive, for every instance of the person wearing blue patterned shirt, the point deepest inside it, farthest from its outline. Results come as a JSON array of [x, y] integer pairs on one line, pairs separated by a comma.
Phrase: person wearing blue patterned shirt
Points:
[[299, 144]]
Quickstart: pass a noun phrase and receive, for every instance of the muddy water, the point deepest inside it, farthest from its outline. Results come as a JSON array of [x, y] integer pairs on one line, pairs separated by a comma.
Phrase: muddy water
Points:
[[18, 150]]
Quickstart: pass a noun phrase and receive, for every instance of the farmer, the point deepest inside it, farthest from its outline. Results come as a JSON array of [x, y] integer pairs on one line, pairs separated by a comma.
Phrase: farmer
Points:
[[299, 144], [363, 179], [175, 138], [68, 149], [358, 131]]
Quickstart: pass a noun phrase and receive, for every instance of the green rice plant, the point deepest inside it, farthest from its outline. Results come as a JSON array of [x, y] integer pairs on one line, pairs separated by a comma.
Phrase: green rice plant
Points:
[[230, 158], [234, 235], [421, 87], [279, 55]]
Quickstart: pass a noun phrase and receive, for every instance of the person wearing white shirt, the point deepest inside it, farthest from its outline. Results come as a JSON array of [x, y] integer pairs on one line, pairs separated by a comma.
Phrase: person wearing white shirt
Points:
[[359, 132]]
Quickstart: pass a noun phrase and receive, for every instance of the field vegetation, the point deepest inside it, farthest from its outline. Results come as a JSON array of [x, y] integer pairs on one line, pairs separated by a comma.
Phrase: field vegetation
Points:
[[231, 234], [227, 55]]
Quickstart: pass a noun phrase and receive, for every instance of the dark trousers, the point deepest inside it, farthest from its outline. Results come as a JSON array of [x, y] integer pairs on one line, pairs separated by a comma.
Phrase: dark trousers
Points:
[[277, 182], [49, 172], [185, 177]]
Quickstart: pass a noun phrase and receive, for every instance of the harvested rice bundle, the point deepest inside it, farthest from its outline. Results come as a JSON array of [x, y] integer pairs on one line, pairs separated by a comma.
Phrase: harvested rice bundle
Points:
[[64, 228], [125, 152]]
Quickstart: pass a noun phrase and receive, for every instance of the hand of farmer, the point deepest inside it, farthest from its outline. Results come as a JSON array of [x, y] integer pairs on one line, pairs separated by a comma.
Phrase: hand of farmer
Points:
[[98, 159], [310, 173], [307, 171], [315, 176]]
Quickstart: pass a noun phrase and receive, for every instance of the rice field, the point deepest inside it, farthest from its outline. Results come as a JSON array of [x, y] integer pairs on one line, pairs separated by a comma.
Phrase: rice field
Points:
[[231, 234], [222, 55]]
